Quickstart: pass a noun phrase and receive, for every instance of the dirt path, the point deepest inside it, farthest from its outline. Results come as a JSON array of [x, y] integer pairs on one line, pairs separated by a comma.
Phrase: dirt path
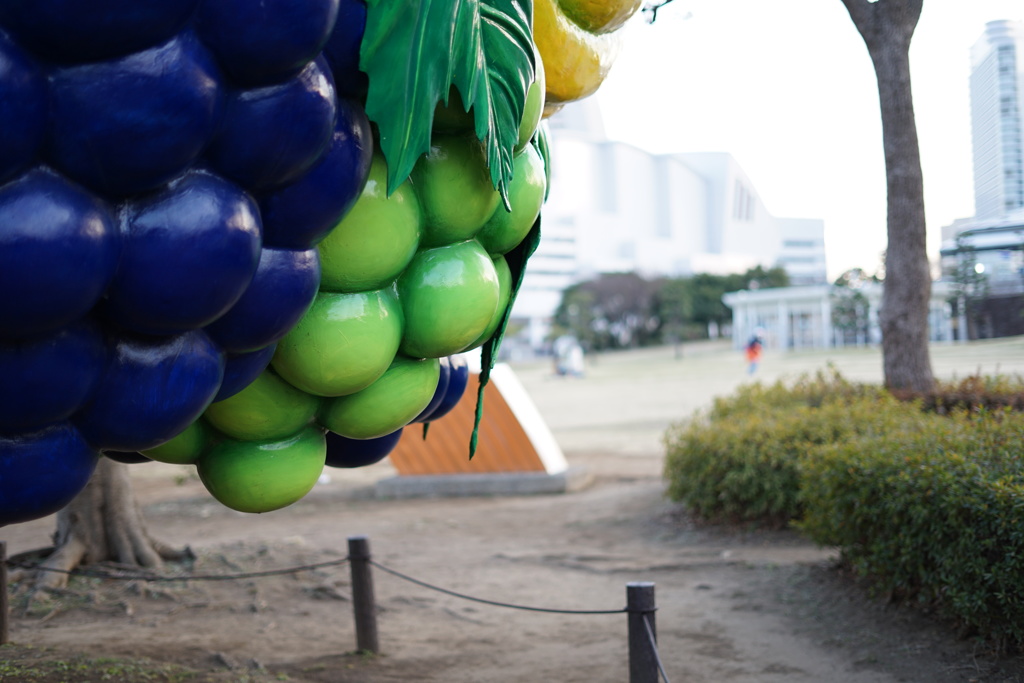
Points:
[[733, 605]]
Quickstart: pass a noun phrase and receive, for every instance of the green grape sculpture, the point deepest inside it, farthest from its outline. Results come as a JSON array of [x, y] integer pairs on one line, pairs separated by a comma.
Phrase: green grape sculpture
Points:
[[407, 280]]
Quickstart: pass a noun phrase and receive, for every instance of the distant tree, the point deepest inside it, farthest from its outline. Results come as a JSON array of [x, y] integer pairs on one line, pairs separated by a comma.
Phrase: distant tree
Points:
[[850, 307], [760, 278], [674, 308], [887, 27], [611, 311]]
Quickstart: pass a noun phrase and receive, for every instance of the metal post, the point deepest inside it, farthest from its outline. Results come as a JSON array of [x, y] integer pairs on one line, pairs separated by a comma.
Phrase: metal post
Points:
[[364, 606], [5, 611], [643, 658]]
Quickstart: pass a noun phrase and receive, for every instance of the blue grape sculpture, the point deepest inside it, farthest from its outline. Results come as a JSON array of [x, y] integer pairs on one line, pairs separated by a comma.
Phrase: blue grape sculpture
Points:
[[168, 168]]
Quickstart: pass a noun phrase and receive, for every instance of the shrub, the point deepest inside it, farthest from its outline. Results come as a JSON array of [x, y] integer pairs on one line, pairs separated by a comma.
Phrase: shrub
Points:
[[973, 393], [742, 461], [932, 510]]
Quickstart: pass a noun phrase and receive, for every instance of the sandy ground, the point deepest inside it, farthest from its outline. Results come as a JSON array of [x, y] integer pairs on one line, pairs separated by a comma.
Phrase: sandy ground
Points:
[[734, 605]]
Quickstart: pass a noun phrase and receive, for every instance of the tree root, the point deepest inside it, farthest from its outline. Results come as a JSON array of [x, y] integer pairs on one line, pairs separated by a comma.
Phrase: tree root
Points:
[[103, 524]]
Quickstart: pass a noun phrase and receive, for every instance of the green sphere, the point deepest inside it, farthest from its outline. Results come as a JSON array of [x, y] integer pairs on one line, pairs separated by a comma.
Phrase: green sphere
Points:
[[375, 240], [504, 294], [449, 295], [533, 108], [267, 409], [342, 344], [388, 404], [455, 190], [504, 230], [185, 448], [260, 476]]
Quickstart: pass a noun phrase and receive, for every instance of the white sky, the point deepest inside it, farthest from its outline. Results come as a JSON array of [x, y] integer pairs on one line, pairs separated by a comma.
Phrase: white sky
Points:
[[787, 87]]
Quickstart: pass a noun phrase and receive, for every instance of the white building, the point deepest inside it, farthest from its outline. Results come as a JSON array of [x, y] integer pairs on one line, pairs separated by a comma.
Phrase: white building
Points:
[[790, 318], [997, 97], [616, 208]]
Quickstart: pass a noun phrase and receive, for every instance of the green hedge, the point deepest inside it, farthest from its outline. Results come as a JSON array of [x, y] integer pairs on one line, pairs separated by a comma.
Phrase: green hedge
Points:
[[742, 461], [926, 505], [934, 511]]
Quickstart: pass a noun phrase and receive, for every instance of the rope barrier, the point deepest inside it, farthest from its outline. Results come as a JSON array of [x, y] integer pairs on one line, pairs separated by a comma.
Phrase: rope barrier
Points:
[[640, 599], [495, 603], [654, 647], [185, 577]]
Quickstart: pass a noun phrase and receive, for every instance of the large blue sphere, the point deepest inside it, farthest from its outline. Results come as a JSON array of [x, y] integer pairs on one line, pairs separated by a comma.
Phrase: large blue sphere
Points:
[[440, 391], [300, 215], [46, 379], [152, 390], [190, 252], [270, 136], [23, 109], [457, 381], [131, 124], [347, 453], [241, 369], [41, 472], [342, 49], [69, 31], [59, 247], [262, 42], [280, 293]]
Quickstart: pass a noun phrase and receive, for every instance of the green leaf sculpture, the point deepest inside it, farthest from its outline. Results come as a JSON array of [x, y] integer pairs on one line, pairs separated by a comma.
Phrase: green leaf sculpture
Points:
[[415, 50]]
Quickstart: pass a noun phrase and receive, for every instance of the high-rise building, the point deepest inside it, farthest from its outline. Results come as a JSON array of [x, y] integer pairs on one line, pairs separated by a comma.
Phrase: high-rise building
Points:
[[984, 255], [997, 89]]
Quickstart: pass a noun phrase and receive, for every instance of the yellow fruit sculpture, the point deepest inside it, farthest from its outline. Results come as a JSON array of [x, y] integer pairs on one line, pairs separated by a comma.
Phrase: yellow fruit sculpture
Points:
[[578, 41]]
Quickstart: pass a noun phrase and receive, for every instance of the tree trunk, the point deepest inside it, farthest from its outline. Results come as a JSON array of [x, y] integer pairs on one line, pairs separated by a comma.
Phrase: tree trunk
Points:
[[103, 524], [887, 27]]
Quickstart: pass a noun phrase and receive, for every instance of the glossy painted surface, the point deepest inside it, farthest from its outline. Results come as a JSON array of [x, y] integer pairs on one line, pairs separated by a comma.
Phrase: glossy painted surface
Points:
[[343, 344], [266, 410], [342, 49], [299, 215], [578, 44], [260, 476], [444, 376], [151, 390], [185, 448], [388, 404], [600, 16], [242, 368], [272, 135], [127, 457], [347, 453], [457, 383], [76, 31], [190, 252], [504, 292], [23, 109], [454, 188], [40, 472], [46, 379], [137, 238], [449, 295], [59, 246], [128, 125], [504, 230], [533, 108], [267, 41], [376, 240], [279, 294]]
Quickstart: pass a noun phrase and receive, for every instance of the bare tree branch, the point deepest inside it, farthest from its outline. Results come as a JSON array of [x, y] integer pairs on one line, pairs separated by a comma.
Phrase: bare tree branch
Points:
[[652, 9]]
